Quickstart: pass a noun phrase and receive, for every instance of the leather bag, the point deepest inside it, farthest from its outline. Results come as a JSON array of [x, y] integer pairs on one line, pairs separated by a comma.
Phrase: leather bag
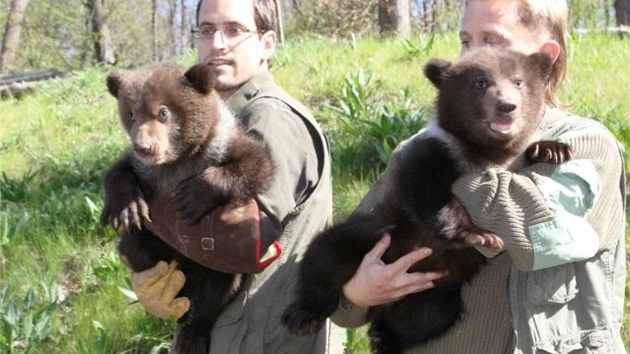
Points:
[[228, 240]]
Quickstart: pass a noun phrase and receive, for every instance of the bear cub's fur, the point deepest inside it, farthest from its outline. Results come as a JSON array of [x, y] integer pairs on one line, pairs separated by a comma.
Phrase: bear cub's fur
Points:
[[489, 106], [186, 145]]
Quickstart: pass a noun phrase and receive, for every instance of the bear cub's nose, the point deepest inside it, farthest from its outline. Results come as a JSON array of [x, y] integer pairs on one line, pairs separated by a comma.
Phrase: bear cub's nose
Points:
[[142, 149], [505, 107]]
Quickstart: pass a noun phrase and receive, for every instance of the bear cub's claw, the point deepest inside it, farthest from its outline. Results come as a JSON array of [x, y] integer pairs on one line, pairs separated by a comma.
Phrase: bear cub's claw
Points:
[[549, 151], [132, 214]]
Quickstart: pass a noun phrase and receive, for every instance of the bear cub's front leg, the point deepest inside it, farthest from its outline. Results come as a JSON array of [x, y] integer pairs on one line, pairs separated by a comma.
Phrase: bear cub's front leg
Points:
[[125, 201], [197, 196]]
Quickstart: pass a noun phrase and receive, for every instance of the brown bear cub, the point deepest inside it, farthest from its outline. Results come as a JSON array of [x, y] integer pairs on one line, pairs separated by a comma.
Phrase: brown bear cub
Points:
[[489, 106], [188, 146]]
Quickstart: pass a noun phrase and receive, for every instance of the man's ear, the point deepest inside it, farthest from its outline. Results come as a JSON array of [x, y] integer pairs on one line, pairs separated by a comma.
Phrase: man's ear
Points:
[[268, 43], [551, 48]]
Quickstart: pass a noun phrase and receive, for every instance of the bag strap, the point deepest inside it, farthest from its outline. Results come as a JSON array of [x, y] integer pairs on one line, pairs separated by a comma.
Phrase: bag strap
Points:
[[322, 146]]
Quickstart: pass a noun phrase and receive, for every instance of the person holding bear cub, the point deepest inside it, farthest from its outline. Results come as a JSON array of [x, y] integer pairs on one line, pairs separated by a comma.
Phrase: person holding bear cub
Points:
[[236, 39], [558, 285]]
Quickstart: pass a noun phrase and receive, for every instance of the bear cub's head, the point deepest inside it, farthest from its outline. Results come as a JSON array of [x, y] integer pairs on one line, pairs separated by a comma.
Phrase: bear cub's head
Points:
[[492, 99], [167, 111]]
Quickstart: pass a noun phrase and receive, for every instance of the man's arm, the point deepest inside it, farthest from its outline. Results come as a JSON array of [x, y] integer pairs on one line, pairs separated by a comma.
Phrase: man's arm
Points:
[[548, 214], [374, 282]]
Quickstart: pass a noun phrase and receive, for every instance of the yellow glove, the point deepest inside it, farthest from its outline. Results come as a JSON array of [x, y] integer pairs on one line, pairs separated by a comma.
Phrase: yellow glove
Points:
[[157, 287]]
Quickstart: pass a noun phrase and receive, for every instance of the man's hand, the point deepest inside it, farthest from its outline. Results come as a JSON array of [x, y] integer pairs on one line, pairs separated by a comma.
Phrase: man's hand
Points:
[[377, 283], [157, 287]]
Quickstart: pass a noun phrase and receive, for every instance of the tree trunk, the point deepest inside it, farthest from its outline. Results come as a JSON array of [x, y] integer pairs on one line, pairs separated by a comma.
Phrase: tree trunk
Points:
[[280, 28], [394, 17], [100, 33], [154, 30], [295, 6], [11, 38], [185, 28], [424, 19], [622, 12], [172, 35]]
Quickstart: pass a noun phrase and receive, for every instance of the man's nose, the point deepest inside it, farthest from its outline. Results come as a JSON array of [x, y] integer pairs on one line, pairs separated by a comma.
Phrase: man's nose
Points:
[[218, 39]]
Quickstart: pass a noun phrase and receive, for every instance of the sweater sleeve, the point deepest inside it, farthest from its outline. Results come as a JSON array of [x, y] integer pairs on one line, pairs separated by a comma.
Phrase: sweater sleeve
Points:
[[548, 214]]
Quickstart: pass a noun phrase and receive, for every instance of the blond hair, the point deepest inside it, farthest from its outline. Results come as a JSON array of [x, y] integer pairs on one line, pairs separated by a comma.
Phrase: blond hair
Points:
[[547, 17]]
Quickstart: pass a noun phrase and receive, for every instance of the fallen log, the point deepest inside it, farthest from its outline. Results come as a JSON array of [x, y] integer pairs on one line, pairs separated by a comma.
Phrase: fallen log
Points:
[[17, 84]]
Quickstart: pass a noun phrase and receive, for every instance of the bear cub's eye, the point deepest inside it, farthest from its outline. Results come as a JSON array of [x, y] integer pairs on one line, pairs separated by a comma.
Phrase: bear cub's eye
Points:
[[163, 114], [481, 83], [130, 116], [518, 83]]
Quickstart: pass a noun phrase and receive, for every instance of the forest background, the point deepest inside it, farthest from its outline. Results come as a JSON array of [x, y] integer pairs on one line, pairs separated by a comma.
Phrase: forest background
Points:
[[76, 34], [62, 287]]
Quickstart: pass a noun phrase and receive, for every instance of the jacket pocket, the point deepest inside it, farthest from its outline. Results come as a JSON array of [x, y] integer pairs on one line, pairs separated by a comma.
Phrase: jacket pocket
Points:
[[585, 342], [556, 322], [556, 285]]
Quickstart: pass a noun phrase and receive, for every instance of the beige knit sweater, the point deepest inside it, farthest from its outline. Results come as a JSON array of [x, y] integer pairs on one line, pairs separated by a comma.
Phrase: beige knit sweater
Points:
[[508, 204]]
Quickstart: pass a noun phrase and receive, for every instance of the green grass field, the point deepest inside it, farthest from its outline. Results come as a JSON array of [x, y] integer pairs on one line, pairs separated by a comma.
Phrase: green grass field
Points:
[[62, 285]]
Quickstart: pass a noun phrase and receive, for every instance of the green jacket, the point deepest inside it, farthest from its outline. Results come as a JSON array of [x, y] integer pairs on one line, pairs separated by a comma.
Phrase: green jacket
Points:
[[559, 287], [294, 209]]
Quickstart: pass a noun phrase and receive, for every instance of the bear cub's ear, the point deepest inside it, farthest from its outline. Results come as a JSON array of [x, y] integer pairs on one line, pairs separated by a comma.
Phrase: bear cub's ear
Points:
[[434, 71], [541, 61], [114, 83], [200, 78]]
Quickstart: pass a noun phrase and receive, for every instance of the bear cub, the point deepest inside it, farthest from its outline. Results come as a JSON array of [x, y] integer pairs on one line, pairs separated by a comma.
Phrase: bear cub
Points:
[[185, 145], [489, 106]]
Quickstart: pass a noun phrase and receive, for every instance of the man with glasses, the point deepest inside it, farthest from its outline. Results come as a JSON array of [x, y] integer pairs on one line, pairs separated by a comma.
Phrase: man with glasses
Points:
[[236, 39]]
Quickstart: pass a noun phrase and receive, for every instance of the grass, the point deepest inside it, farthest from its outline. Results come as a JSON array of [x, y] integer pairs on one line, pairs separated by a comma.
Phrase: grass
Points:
[[64, 277]]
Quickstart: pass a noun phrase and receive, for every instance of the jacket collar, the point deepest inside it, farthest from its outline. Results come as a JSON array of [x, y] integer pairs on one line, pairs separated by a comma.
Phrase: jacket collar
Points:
[[249, 90]]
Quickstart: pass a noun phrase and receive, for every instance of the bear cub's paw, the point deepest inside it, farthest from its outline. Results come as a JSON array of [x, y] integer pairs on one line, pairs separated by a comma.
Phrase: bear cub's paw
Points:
[[303, 320], [195, 198], [549, 151], [479, 237], [129, 210]]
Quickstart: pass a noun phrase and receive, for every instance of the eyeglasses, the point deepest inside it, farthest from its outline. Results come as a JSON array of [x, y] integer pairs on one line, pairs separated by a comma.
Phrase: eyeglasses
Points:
[[228, 34]]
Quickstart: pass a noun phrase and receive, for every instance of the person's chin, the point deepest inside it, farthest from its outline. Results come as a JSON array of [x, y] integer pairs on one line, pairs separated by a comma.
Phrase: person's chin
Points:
[[222, 75], [225, 83]]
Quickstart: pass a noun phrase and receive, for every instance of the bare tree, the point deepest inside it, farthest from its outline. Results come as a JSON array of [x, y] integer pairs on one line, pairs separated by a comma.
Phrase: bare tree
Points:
[[154, 30], [394, 17], [622, 12], [170, 39], [280, 28], [100, 33], [334, 17], [426, 15], [185, 26], [11, 38]]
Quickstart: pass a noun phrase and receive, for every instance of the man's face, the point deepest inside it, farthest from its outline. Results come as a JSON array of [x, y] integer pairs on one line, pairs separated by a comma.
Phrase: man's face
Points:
[[496, 23], [233, 60]]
